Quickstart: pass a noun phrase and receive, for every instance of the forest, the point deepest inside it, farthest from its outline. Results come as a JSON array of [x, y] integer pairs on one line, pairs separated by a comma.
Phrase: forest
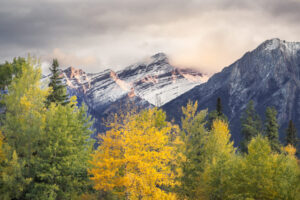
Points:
[[46, 151]]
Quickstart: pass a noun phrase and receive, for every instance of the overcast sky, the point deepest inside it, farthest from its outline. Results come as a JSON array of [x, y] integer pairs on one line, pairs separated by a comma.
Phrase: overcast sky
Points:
[[100, 34]]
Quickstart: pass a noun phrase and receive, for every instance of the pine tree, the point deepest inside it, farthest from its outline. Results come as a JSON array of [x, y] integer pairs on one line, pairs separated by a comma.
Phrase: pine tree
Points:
[[271, 128], [58, 94], [216, 114], [219, 107], [251, 125], [61, 154], [291, 134]]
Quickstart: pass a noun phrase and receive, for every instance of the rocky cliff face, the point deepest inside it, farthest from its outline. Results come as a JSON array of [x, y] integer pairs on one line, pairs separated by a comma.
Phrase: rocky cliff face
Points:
[[268, 75], [152, 82]]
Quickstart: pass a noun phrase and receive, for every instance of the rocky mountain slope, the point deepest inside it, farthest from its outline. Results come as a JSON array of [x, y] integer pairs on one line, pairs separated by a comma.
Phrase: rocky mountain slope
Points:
[[152, 82], [269, 75]]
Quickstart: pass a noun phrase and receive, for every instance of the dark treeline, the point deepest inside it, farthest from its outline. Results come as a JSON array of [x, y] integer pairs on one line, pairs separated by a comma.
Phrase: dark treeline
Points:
[[46, 151]]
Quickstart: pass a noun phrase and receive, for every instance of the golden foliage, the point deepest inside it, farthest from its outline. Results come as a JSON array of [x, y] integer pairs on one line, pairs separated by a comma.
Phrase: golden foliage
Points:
[[134, 157], [290, 150], [218, 145]]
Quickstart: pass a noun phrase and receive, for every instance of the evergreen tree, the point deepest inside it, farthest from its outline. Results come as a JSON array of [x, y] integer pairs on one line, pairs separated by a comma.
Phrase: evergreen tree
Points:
[[271, 128], [251, 125], [59, 167], [216, 114], [58, 94], [219, 107], [291, 134]]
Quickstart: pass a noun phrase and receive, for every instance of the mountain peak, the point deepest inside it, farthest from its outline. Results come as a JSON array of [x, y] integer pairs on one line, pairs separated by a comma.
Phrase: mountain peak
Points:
[[159, 57], [276, 43], [72, 72], [268, 75]]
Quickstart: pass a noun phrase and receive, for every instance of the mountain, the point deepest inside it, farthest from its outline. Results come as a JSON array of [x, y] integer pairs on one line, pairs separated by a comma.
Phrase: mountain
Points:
[[268, 75], [152, 82]]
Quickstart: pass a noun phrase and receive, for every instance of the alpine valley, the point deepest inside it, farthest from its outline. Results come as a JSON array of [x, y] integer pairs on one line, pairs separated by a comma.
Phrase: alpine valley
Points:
[[269, 75]]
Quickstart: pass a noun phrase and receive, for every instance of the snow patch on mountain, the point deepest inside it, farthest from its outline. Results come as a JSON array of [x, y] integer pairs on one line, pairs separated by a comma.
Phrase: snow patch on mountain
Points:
[[154, 80]]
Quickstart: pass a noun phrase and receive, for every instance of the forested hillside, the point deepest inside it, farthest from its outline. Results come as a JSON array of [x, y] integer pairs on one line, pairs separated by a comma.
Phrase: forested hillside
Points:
[[46, 151]]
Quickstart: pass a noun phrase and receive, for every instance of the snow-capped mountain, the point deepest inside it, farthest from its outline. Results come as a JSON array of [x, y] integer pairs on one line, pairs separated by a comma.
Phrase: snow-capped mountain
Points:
[[268, 75], [153, 82]]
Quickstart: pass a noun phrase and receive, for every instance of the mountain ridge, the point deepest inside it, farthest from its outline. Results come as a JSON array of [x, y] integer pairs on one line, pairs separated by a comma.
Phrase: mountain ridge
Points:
[[148, 83], [269, 75]]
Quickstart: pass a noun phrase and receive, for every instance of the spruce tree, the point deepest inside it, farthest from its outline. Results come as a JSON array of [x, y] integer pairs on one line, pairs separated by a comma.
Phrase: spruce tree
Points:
[[291, 134], [219, 107], [58, 94], [271, 128], [216, 114], [251, 125]]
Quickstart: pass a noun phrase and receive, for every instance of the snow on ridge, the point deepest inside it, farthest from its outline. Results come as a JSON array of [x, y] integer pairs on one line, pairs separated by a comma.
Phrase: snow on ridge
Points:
[[272, 44], [290, 47], [123, 85], [153, 80]]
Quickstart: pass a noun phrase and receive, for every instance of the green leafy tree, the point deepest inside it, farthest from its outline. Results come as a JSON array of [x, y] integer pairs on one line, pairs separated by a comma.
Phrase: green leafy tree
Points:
[[271, 128], [218, 153], [10, 70], [58, 94], [51, 144], [262, 174], [216, 114], [291, 134], [24, 117], [12, 180], [251, 125], [193, 135]]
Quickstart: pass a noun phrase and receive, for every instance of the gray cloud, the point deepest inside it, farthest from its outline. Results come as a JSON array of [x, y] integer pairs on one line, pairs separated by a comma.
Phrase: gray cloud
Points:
[[113, 33]]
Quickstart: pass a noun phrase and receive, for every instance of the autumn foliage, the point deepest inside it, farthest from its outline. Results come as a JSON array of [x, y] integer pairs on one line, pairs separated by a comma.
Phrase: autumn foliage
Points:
[[134, 157], [46, 151]]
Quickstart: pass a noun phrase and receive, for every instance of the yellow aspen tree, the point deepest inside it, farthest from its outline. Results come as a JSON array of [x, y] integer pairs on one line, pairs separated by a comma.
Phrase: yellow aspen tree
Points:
[[190, 150], [134, 157], [217, 156]]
